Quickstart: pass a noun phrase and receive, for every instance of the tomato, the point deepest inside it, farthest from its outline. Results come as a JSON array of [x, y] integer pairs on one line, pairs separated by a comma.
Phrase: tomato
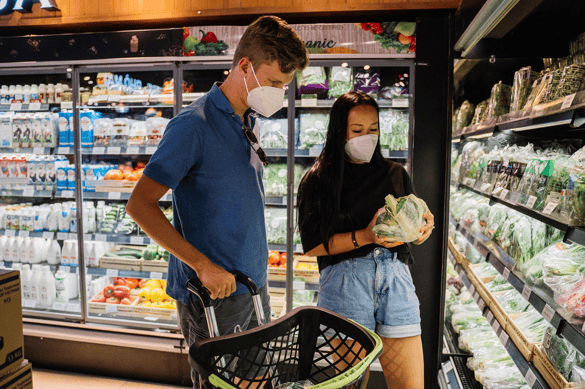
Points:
[[140, 165], [273, 258]]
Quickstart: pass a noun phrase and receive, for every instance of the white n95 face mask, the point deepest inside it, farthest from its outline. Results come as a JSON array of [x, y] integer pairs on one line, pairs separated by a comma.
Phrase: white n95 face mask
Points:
[[266, 100], [362, 148]]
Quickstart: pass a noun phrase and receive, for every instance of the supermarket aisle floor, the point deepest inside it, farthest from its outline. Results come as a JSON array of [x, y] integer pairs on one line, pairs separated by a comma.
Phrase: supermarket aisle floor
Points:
[[51, 379]]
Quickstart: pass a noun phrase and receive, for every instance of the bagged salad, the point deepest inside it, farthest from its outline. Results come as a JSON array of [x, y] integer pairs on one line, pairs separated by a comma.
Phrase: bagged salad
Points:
[[481, 112], [464, 115], [562, 355], [401, 219], [273, 133], [312, 81], [499, 100], [313, 129], [340, 81], [523, 80]]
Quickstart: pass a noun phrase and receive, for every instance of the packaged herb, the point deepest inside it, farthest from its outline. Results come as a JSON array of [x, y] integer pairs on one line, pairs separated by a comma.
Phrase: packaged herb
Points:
[[523, 80], [499, 100]]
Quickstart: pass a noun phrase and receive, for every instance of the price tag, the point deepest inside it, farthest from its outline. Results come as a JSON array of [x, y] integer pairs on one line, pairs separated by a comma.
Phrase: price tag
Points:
[[59, 306], [472, 182], [114, 150], [485, 187], [73, 308], [490, 317], [530, 378], [34, 107], [67, 105], [16, 106], [285, 103], [63, 150], [72, 236], [548, 313], [550, 207], [156, 275], [132, 150], [568, 101], [101, 238], [150, 150], [526, 292], [62, 235], [504, 338], [506, 273], [447, 367], [28, 303], [39, 150], [495, 326], [98, 150], [111, 308], [386, 153], [68, 193], [48, 235], [504, 194], [10, 233], [472, 289], [114, 195], [481, 304], [1, 264], [400, 103], [315, 151], [24, 234], [113, 98], [136, 240], [299, 248], [28, 193], [112, 272], [308, 102], [476, 296], [299, 285], [531, 202]]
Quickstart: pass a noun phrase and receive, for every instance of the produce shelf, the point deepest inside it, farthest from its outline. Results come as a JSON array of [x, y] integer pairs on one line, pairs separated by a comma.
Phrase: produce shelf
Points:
[[526, 368], [540, 297], [314, 152], [69, 194], [97, 271], [31, 234], [314, 103]]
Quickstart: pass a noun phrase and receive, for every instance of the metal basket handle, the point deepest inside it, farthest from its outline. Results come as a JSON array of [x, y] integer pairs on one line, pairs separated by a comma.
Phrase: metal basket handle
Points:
[[195, 286]]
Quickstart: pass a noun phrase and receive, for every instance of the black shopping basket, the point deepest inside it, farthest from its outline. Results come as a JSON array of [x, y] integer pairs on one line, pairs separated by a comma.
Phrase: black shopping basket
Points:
[[308, 343]]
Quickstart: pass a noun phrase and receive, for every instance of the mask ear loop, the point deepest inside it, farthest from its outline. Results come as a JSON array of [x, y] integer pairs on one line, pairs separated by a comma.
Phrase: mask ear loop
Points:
[[254, 73]]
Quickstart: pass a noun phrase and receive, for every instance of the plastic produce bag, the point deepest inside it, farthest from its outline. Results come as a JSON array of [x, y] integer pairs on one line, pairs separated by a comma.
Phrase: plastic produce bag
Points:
[[562, 355], [313, 129], [572, 80], [496, 219], [523, 80], [514, 162], [340, 81], [532, 325], [394, 127], [312, 81], [481, 112], [520, 247], [275, 219], [401, 219], [273, 133], [275, 178], [464, 115], [466, 159], [512, 302], [499, 100], [367, 81]]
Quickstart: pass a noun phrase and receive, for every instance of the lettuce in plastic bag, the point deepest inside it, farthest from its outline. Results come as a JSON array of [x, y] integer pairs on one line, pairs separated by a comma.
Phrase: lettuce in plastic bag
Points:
[[340, 81], [313, 129], [401, 219], [275, 219]]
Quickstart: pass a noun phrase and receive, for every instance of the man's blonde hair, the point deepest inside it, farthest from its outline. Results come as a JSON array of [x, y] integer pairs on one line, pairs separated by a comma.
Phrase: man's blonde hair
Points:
[[268, 39]]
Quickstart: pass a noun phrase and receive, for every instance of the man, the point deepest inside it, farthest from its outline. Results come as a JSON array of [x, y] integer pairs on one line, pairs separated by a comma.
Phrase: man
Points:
[[210, 161]]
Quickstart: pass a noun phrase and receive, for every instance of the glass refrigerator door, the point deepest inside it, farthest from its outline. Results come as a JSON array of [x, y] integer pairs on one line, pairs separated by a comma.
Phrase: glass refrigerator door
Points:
[[33, 106], [123, 113], [316, 90]]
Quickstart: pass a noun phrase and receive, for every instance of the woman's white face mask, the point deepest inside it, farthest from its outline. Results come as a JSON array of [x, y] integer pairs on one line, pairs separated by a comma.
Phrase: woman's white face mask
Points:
[[266, 100], [362, 148]]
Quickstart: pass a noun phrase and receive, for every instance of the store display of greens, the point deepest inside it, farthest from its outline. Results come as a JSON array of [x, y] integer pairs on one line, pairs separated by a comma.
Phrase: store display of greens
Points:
[[562, 355], [394, 129]]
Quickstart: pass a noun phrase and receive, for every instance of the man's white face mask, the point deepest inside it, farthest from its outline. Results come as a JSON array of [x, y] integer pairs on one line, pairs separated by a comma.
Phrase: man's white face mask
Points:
[[266, 100]]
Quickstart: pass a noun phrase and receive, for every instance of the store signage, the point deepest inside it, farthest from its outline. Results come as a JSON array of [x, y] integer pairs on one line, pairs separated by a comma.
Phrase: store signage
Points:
[[25, 6]]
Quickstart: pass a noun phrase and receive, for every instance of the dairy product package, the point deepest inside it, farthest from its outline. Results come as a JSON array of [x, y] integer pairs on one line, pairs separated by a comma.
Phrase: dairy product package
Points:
[[71, 177], [65, 131], [41, 166], [49, 127], [26, 137], [6, 131], [17, 130], [87, 119], [37, 131], [62, 173], [31, 169]]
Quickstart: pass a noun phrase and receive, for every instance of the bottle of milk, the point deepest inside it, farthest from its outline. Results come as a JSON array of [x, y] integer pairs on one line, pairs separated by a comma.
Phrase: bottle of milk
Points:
[[25, 280], [47, 288], [35, 283], [61, 286]]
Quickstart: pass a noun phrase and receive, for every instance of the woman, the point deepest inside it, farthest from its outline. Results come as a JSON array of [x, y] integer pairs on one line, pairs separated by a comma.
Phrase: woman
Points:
[[362, 276]]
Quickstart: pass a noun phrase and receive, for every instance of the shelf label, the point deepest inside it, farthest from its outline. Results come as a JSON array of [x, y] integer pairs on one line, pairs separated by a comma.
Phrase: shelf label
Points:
[[154, 275], [24, 234], [98, 150], [504, 338], [504, 194], [73, 308], [315, 151], [472, 289], [10, 233], [68, 193], [308, 102], [34, 107], [101, 238], [39, 150], [530, 378], [481, 304], [28, 193], [132, 150], [299, 285], [531, 202], [550, 207], [28, 303], [526, 292], [48, 235], [568, 101], [59, 306], [506, 273], [472, 182], [111, 308], [15, 106], [114, 195], [63, 150], [62, 235], [548, 313], [113, 98], [114, 150], [67, 105], [400, 103], [112, 272], [495, 326], [485, 187], [73, 236], [490, 317], [299, 248], [150, 150], [136, 240]]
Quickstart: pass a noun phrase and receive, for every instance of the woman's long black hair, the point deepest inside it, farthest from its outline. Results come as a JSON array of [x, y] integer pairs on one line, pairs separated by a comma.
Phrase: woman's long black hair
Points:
[[320, 188]]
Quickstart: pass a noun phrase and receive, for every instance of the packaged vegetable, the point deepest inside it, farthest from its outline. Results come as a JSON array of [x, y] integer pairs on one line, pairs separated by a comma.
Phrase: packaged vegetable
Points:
[[273, 133], [499, 100], [312, 81], [523, 80], [367, 81], [313, 129], [464, 115], [481, 112], [562, 355], [402, 219], [340, 81]]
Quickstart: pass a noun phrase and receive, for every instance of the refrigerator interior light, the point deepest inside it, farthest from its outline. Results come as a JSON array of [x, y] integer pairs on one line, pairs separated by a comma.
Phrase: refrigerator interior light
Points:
[[344, 65], [367, 67]]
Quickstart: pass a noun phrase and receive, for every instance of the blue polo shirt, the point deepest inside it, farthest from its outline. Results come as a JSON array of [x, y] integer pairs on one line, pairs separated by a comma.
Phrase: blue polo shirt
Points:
[[218, 196]]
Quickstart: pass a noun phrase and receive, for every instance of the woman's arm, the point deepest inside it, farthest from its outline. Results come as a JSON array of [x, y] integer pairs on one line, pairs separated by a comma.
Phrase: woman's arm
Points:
[[342, 242]]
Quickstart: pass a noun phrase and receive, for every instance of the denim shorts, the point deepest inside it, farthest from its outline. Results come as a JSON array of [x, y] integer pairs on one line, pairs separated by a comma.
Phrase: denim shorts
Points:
[[376, 291]]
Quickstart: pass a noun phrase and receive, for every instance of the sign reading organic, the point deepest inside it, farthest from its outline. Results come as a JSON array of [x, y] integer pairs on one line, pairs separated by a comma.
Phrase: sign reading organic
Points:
[[345, 38], [25, 6]]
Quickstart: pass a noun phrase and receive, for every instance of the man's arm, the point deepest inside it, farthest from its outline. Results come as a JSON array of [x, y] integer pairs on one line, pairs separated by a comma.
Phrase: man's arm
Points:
[[143, 208]]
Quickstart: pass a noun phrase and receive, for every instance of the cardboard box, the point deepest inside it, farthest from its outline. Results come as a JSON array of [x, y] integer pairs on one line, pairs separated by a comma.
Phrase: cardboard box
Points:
[[11, 336], [21, 378]]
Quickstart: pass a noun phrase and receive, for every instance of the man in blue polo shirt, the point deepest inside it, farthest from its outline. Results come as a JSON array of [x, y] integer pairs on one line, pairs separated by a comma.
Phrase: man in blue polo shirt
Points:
[[209, 157]]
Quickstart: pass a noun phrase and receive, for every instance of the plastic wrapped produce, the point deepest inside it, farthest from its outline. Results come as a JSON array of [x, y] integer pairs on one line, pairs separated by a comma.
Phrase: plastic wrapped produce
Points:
[[367, 81], [521, 243], [536, 87], [313, 129], [544, 89], [490, 166], [539, 237], [512, 302], [275, 177], [295, 385], [498, 284], [275, 225], [340, 81], [499, 100], [532, 325], [481, 112], [572, 80], [468, 319], [464, 115], [523, 80], [515, 160], [467, 158], [554, 85], [401, 219], [312, 81], [273, 133], [496, 220], [562, 355], [394, 127]]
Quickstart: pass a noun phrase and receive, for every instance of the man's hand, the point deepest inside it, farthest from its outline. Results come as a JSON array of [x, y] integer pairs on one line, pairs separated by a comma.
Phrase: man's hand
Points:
[[427, 228], [218, 282]]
